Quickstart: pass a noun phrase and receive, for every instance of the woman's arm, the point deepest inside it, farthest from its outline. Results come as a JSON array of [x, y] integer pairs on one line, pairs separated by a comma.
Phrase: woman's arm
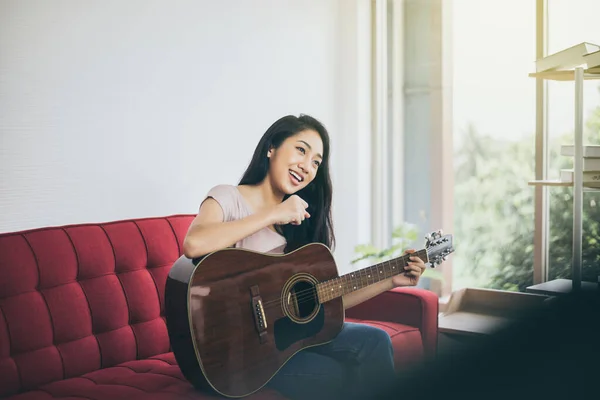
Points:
[[208, 232], [354, 298]]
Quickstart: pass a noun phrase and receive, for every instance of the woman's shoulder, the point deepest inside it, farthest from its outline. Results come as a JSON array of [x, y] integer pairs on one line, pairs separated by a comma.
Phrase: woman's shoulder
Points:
[[223, 190], [228, 198]]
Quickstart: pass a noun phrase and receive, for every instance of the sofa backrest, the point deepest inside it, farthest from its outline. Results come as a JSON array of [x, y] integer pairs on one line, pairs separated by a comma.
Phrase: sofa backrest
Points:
[[78, 298]]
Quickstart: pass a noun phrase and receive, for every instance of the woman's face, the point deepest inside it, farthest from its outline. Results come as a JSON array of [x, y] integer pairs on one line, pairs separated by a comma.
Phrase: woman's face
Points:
[[295, 163]]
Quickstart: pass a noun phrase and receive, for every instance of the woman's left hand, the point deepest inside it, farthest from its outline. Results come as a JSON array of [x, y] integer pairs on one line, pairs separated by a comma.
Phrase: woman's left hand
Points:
[[412, 272]]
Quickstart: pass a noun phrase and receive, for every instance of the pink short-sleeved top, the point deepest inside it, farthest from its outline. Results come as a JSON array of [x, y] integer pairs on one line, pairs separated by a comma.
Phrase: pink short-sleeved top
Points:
[[236, 207]]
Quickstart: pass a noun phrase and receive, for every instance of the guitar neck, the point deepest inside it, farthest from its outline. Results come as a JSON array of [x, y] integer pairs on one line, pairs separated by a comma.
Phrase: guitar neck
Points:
[[362, 278]]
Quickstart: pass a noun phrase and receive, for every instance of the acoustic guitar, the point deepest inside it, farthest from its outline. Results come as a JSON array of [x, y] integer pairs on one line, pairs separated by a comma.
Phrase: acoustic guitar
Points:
[[236, 316]]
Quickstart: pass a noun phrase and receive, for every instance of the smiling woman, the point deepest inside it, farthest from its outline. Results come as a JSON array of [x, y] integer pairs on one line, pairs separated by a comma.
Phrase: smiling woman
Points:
[[282, 203], [286, 188]]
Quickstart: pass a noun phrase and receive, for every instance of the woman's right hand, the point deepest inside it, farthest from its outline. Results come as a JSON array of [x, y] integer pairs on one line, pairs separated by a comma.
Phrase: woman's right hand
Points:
[[291, 211]]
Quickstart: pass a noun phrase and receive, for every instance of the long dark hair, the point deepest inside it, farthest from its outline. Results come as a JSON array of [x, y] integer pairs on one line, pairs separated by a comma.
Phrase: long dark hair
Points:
[[318, 193]]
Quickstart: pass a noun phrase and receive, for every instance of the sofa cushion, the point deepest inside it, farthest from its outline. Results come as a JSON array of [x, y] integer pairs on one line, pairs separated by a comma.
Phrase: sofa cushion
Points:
[[157, 377], [74, 299]]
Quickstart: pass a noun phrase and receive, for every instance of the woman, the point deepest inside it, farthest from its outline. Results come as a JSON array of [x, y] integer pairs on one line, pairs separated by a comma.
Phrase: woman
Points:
[[283, 202]]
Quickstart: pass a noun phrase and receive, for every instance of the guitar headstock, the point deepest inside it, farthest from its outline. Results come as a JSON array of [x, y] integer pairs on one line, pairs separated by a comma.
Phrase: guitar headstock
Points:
[[438, 247]]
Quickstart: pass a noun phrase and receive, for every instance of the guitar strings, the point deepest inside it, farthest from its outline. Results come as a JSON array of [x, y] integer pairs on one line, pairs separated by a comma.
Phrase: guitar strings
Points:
[[308, 294], [302, 296], [305, 295]]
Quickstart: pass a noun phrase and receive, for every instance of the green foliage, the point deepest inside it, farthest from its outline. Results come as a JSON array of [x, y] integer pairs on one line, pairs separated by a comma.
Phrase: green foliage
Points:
[[402, 237], [494, 212]]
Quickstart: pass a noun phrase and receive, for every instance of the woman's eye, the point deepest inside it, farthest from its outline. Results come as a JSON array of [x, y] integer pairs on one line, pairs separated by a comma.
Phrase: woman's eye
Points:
[[301, 150], [317, 164]]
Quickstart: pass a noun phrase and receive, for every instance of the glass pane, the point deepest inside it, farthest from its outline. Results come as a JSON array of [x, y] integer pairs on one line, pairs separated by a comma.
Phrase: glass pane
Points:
[[569, 23], [494, 134]]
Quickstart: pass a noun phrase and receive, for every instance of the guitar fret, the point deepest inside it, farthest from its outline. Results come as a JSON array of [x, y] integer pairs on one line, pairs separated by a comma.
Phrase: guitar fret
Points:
[[361, 280], [332, 288], [355, 284], [348, 283], [319, 293]]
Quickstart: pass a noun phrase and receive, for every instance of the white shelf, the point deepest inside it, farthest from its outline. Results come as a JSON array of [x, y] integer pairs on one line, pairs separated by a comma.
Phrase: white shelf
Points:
[[568, 75], [577, 75], [564, 184], [549, 183]]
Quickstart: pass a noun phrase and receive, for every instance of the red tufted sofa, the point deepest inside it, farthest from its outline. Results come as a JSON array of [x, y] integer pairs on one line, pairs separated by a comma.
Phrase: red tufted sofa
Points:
[[82, 313]]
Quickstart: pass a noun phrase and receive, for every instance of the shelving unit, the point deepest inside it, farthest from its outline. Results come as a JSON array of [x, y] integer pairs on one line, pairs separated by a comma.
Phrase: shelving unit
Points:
[[577, 75]]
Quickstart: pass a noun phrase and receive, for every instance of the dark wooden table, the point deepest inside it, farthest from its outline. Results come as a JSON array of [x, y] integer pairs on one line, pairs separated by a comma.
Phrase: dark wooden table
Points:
[[559, 287]]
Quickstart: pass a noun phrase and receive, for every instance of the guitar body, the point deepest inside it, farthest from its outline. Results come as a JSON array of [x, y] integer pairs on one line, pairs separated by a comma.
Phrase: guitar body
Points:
[[236, 316]]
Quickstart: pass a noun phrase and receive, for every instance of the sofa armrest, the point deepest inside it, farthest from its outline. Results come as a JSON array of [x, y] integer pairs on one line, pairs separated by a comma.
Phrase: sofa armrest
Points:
[[404, 305]]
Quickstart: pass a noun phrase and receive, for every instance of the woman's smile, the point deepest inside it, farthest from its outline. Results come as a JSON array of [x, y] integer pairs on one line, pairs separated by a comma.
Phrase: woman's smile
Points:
[[296, 178]]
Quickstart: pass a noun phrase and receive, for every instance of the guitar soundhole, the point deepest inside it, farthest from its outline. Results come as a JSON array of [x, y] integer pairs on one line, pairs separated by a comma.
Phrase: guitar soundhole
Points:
[[300, 302]]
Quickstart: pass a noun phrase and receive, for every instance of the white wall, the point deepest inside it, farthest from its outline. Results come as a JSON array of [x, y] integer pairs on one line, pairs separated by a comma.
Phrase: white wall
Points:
[[121, 109]]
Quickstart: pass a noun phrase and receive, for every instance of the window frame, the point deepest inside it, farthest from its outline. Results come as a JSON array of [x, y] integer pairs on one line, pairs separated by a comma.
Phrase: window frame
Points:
[[541, 196]]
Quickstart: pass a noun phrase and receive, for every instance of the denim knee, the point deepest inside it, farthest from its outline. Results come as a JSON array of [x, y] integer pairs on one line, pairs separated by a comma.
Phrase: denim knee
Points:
[[378, 344]]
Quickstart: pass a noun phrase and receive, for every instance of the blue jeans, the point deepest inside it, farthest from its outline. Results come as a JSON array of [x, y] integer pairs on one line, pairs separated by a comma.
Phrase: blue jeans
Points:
[[358, 363]]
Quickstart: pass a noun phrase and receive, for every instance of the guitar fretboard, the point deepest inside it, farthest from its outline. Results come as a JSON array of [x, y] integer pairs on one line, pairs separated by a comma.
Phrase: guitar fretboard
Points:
[[362, 278]]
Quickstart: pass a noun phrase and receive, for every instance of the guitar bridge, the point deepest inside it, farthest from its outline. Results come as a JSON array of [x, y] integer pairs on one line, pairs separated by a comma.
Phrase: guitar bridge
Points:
[[260, 319]]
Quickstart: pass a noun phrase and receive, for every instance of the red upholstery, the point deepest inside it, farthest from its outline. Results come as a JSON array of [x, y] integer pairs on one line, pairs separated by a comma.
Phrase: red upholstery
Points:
[[156, 378], [82, 313], [413, 308]]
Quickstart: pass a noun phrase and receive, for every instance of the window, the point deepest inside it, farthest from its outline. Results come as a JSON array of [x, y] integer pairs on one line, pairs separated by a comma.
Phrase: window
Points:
[[494, 131]]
